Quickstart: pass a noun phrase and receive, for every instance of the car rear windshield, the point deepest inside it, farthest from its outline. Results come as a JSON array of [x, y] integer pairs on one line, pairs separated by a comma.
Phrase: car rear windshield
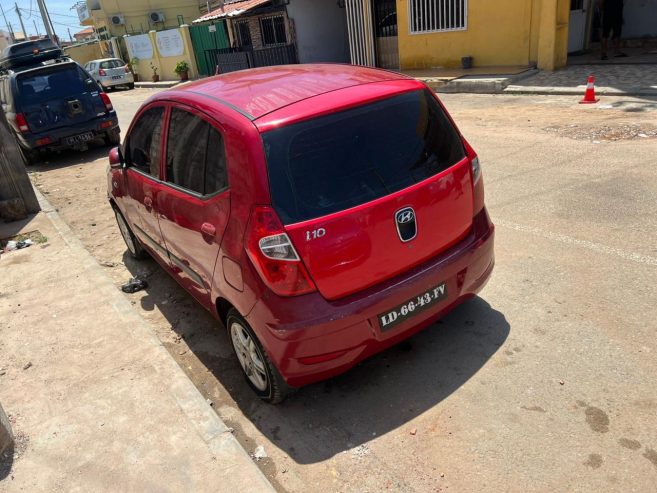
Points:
[[51, 84], [328, 164], [112, 64]]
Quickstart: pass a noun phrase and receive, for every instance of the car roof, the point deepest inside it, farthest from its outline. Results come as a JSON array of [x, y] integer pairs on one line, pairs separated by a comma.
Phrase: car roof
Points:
[[260, 91]]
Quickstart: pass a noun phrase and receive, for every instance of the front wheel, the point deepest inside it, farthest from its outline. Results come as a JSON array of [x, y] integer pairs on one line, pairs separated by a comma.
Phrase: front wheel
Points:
[[134, 247], [261, 374]]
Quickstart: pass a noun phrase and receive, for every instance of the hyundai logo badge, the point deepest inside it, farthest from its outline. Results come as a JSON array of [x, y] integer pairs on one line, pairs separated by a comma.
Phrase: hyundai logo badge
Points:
[[406, 224]]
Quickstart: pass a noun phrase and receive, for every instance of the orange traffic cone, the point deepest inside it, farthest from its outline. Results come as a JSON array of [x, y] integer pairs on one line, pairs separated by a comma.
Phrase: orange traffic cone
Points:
[[589, 95]]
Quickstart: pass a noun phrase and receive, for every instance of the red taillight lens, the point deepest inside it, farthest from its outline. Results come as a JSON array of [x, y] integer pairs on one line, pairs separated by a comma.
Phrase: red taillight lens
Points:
[[106, 101], [274, 256], [477, 182], [21, 123], [127, 69], [102, 72]]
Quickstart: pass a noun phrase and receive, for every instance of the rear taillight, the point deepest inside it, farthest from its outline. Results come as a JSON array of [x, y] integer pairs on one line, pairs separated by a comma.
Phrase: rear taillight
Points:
[[477, 182], [102, 72], [273, 255], [127, 69], [106, 101], [21, 123]]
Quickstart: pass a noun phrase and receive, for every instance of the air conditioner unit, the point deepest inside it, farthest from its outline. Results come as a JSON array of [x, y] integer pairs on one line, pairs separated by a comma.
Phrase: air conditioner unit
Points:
[[117, 20], [156, 17]]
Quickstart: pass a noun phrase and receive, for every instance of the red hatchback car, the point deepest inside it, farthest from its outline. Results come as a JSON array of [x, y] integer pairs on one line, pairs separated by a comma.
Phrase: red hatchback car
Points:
[[322, 212]]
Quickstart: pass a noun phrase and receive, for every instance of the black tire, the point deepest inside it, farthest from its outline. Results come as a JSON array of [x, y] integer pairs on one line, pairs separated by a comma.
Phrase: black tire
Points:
[[30, 156], [131, 85], [113, 137], [260, 373], [134, 247]]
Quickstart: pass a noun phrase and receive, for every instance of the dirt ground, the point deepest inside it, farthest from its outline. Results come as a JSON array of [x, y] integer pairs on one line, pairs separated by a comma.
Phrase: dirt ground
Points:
[[542, 383]]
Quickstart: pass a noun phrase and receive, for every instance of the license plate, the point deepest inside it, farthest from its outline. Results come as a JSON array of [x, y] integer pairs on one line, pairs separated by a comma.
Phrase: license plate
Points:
[[117, 77], [412, 307], [76, 139]]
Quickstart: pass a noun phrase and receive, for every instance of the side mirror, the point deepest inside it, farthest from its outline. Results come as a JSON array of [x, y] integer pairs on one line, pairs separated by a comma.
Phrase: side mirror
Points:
[[116, 158]]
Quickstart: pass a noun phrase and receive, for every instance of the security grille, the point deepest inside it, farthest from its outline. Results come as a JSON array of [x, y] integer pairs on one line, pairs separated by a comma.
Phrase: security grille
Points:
[[431, 16], [273, 30], [242, 32]]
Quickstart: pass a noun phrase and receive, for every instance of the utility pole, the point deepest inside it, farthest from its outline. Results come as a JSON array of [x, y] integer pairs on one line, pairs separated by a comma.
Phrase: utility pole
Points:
[[36, 28], [46, 19], [11, 31], [20, 18]]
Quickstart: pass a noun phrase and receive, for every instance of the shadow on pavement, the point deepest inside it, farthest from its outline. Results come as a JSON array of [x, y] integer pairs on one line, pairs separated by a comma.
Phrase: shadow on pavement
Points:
[[71, 157], [6, 461], [374, 398]]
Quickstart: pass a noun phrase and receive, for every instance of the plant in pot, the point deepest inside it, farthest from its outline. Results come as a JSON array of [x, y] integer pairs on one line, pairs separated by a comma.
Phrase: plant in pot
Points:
[[134, 63], [182, 69], [155, 77]]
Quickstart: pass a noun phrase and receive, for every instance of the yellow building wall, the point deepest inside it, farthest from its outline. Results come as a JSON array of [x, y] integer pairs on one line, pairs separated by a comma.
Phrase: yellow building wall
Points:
[[84, 53], [135, 14], [499, 32]]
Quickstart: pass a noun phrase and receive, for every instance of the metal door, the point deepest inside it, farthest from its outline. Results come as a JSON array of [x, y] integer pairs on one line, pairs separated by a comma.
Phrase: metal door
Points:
[[385, 31], [361, 32], [577, 25]]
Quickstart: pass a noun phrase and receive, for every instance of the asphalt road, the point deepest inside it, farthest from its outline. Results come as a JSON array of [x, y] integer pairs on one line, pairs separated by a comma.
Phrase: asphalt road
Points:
[[543, 383]]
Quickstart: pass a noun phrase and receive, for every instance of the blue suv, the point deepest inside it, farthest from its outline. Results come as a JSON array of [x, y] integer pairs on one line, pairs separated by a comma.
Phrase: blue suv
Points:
[[51, 102]]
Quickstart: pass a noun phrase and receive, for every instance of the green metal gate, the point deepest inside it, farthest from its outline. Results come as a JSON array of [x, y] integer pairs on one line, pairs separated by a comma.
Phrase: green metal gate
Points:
[[207, 38]]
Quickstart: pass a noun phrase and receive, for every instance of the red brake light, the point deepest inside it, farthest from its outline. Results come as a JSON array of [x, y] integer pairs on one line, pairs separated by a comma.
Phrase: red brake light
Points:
[[106, 101], [274, 256], [477, 182], [102, 72], [21, 123], [127, 69]]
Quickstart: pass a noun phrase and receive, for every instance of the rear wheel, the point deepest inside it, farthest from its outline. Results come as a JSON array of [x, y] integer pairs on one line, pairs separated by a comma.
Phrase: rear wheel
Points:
[[134, 247], [261, 374], [30, 156], [131, 85], [113, 137]]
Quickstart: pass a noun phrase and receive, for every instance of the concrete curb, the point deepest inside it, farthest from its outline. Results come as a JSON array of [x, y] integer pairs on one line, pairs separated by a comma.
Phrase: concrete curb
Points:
[[578, 91], [483, 84], [212, 430], [157, 85], [6, 436]]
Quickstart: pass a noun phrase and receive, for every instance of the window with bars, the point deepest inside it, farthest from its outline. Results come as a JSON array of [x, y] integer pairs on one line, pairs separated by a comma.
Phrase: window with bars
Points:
[[430, 16], [242, 32], [273, 30]]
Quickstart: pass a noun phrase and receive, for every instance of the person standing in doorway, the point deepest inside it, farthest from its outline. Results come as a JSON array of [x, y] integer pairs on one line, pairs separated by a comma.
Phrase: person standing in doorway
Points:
[[612, 25]]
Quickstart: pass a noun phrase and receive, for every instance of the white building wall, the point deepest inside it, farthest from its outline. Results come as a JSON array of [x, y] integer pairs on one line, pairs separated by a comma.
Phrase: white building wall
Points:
[[640, 18], [321, 30]]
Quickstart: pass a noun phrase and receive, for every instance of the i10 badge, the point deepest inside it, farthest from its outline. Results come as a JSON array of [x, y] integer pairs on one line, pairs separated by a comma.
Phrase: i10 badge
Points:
[[412, 307]]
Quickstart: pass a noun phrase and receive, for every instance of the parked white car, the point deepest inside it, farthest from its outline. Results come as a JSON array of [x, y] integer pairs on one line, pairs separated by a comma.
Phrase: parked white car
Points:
[[110, 72]]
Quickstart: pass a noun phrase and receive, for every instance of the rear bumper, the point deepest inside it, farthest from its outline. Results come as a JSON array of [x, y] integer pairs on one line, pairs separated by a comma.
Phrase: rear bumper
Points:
[[336, 335], [98, 126]]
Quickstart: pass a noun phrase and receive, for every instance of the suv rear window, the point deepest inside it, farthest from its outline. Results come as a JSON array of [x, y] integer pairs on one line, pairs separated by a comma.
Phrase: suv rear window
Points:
[[112, 64], [328, 164], [52, 84]]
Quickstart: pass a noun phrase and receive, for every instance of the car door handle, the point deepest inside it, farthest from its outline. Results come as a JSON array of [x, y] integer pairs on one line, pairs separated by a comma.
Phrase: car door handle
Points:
[[208, 229], [148, 203]]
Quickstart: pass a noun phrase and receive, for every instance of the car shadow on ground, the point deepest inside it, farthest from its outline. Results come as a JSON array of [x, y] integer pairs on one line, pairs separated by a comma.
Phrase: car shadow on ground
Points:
[[6, 461], [71, 157], [377, 396]]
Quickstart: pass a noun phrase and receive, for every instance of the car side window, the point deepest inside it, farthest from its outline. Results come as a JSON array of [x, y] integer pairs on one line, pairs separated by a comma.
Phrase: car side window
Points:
[[143, 144], [196, 156]]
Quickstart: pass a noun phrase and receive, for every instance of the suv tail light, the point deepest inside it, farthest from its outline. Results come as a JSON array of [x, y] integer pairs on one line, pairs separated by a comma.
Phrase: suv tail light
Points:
[[127, 69], [477, 182], [21, 123], [106, 101], [102, 72], [274, 256]]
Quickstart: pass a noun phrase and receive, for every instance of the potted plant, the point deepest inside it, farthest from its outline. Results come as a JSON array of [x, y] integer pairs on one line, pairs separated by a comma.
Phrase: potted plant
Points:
[[134, 63], [182, 69], [155, 77]]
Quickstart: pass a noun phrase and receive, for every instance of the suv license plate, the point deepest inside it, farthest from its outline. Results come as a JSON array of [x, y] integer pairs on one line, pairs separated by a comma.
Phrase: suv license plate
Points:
[[117, 77], [76, 139], [412, 307]]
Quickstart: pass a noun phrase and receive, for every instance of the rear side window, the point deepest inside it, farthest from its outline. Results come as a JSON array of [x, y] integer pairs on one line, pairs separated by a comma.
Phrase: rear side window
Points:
[[196, 157], [335, 162], [52, 84], [143, 143]]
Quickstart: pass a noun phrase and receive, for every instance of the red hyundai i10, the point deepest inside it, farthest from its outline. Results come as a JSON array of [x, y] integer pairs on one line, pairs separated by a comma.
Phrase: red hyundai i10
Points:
[[322, 212]]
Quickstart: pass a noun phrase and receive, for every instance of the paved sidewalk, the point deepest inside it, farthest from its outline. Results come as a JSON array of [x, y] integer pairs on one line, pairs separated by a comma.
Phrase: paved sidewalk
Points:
[[95, 401]]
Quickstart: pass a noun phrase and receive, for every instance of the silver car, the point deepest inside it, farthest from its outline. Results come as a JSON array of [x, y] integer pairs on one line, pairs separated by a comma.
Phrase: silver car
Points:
[[110, 72]]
